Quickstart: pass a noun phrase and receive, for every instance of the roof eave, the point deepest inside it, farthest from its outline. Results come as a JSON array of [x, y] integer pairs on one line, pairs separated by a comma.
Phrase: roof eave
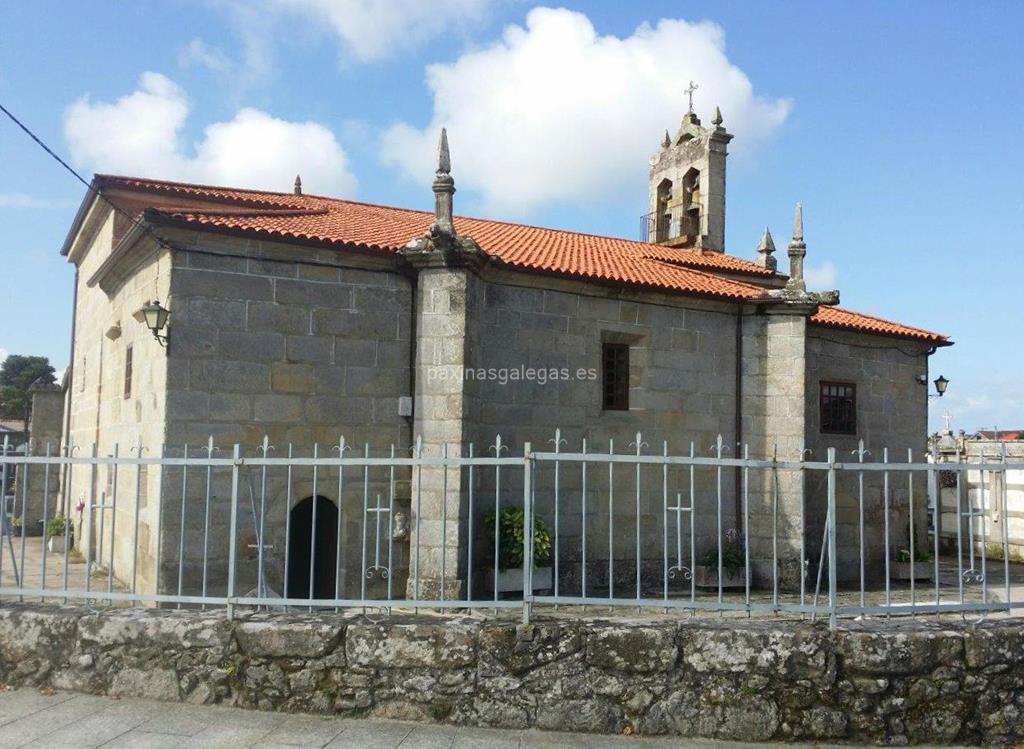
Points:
[[157, 217], [934, 342], [91, 196]]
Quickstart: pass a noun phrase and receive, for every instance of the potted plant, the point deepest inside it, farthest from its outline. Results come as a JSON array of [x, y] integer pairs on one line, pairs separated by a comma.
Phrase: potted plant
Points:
[[921, 565], [56, 529], [734, 564], [902, 565], [511, 523]]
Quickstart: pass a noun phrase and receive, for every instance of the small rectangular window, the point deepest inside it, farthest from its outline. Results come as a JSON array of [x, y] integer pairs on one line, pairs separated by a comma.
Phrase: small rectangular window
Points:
[[128, 372], [615, 371], [838, 406]]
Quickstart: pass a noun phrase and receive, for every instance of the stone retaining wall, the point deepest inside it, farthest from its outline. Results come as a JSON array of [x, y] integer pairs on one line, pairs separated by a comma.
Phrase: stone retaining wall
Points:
[[751, 681]]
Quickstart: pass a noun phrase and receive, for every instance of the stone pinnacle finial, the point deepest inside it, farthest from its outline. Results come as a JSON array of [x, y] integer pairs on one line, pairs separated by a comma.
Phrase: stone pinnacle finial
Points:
[[444, 189], [298, 185], [717, 121], [797, 251], [765, 248], [667, 141], [444, 159]]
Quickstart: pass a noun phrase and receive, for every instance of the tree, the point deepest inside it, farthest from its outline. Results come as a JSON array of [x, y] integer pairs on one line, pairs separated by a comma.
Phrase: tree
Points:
[[17, 373]]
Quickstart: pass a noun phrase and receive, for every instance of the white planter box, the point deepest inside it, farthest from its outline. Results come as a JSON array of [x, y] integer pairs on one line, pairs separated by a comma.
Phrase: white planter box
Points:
[[901, 571], [705, 576], [511, 581], [56, 544]]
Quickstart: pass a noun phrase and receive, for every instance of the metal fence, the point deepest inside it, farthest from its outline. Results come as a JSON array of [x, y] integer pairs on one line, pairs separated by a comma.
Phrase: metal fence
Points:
[[706, 529]]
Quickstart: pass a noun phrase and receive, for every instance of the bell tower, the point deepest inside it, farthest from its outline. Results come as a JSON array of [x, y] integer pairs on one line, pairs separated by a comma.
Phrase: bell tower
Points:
[[687, 185]]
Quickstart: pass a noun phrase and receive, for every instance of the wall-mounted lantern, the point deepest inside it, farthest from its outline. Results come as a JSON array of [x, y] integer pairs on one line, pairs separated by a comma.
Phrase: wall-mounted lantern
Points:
[[155, 316], [940, 385]]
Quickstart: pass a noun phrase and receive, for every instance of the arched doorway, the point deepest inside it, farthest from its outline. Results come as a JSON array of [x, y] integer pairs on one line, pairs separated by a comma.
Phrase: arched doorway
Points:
[[322, 545]]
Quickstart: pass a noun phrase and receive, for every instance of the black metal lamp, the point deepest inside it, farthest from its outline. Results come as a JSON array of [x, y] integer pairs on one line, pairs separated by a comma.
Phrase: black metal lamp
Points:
[[155, 316], [940, 385]]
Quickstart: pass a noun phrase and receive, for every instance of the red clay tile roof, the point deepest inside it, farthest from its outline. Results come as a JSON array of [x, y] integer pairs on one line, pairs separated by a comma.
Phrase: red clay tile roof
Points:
[[837, 317], [346, 223], [374, 227], [702, 259]]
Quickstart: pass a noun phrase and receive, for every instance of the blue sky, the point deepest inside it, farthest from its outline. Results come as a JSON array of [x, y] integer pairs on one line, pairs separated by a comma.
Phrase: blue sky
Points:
[[896, 124]]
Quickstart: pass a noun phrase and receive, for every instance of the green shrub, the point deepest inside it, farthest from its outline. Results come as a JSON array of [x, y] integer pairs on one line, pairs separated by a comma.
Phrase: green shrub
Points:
[[922, 555], [510, 539], [994, 551], [733, 557], [56, 526]]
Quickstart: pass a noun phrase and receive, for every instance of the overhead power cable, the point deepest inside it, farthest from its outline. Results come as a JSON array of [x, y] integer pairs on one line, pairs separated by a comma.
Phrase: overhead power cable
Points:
[[135, 221]]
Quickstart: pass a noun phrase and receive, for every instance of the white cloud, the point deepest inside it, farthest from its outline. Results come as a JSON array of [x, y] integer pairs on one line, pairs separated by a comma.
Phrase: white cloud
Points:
[[199, 53], [141, 134], [984, 403], [555, 112], [370, 30], [821, 277], [22, 200], [4, 353]]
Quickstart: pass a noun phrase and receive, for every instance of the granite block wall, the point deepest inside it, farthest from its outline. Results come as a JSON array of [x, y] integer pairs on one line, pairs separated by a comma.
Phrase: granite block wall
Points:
[[868, 683]]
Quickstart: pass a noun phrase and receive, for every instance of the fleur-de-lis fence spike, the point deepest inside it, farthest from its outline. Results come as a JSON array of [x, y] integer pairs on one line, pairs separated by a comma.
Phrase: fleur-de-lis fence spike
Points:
[[558, 441], [138, 448], [341, 447], [639, 443], [265, 447], [497, 447], [719, 447]]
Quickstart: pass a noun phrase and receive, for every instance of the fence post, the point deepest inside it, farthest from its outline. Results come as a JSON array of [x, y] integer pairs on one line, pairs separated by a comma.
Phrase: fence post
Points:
[[236, 462], [832, 518], [527, 531]]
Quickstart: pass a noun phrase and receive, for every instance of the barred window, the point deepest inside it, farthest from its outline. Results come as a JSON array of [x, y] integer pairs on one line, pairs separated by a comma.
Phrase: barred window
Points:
[[128, 372], [838, 408], [615, 376]]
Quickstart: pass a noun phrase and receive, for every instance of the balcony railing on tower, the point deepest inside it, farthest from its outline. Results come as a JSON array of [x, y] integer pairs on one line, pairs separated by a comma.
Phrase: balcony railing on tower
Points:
[[658, 227]]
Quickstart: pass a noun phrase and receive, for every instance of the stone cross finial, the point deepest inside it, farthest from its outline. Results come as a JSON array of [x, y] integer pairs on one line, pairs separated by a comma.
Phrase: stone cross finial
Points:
[[947, 417], [444, 189], [298, 185], [797, 252], [765, 248], [689, 92]]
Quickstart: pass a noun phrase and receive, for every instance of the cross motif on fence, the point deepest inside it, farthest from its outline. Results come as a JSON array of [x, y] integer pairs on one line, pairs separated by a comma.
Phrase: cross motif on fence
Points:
[[377, 567], [678, 569]]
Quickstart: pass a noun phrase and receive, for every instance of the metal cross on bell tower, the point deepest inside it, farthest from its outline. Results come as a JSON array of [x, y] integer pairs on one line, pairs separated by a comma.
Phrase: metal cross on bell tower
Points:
[[689, 92]]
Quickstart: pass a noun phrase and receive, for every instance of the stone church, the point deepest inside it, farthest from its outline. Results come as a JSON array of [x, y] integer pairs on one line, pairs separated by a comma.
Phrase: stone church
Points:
[[305, 318]]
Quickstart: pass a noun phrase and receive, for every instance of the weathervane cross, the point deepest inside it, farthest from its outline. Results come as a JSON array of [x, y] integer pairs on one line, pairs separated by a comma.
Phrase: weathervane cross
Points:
[[689, 92]]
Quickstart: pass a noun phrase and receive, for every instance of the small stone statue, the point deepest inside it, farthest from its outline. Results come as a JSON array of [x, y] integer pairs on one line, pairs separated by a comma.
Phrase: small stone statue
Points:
[[400, 530]]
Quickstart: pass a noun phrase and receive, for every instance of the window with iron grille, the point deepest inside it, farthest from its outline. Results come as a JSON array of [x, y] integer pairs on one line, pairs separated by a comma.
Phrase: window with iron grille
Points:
[[838, 408], [128, 372], [615, 376]]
